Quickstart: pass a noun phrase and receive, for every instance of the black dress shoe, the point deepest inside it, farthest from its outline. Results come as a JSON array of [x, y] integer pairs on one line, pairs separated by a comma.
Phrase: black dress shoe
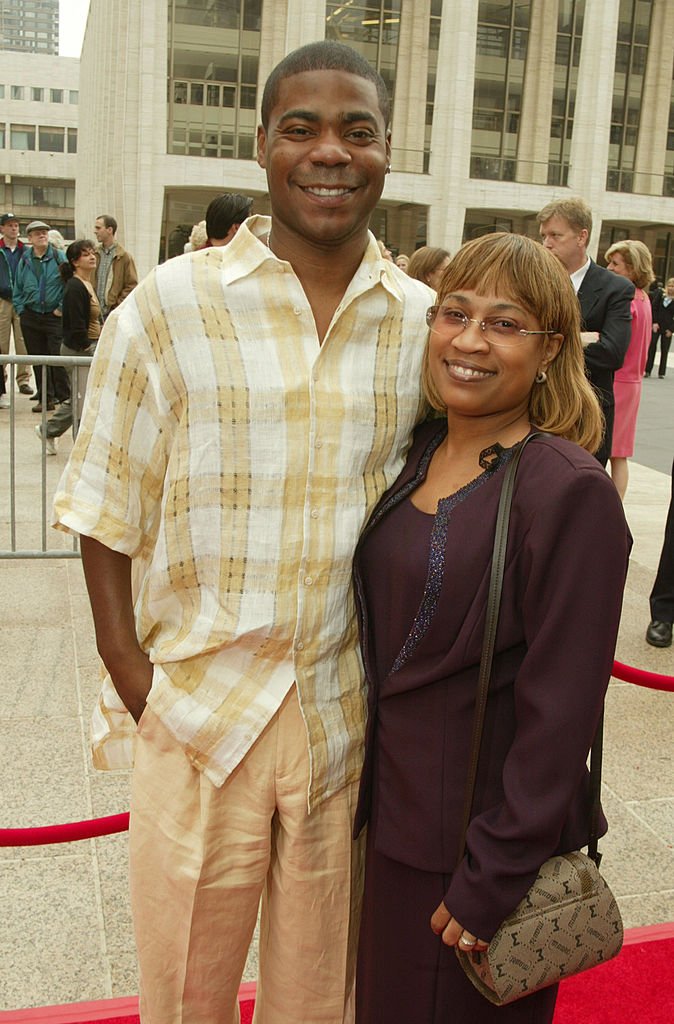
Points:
[[38, 407], [659, 634], [26, 389]]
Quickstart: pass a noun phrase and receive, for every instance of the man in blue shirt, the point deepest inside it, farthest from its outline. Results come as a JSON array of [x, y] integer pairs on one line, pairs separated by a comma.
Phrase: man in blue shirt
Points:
[[11, 248], [38, 294]]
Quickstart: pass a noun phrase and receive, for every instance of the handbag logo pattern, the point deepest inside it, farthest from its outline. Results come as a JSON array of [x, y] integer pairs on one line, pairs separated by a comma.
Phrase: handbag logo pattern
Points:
[[568, 922]]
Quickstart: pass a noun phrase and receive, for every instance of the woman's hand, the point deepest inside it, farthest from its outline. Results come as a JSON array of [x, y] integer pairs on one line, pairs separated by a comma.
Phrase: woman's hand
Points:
[[453, 934]]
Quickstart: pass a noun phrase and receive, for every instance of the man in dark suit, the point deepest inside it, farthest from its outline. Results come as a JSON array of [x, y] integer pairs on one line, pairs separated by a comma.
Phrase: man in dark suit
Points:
[[565, 228], [663, 327], [659, 632]]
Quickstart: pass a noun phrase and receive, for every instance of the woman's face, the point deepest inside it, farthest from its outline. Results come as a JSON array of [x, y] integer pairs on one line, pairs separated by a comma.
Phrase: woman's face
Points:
[[403, 262], [474, 376], [433, 279], [618, 265], [85, 261]]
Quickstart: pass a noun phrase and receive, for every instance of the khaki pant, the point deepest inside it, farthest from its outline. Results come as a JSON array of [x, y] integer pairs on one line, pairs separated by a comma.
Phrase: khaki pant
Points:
[[202, 857], [9, 320]]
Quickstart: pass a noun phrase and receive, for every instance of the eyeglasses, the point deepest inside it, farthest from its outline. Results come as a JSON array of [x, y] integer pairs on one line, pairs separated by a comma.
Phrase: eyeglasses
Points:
[[497, 330]]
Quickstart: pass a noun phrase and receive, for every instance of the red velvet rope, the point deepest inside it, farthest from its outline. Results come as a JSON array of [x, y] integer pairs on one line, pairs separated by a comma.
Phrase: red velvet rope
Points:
[[74, 830], [652, 680], [68, 833]]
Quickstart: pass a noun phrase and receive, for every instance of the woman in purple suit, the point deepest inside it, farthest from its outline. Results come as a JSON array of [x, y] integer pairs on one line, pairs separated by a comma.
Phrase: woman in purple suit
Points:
[[504, 357]]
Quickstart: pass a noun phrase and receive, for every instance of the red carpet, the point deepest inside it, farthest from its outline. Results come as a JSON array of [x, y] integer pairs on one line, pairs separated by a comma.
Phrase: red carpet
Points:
[[637, 986]]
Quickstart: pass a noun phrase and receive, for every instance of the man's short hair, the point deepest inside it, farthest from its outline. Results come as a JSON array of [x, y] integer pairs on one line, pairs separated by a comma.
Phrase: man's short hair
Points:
[[574, 211], [224, 211], [325, 55], [109, 222]]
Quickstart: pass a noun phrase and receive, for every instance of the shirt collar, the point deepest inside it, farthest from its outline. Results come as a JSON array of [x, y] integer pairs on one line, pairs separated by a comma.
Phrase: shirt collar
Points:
[[578, 276], [240, 258]]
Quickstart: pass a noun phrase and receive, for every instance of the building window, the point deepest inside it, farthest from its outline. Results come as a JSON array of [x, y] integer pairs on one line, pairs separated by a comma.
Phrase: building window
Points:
[[370, 26], [51, 140], [16, 92], [56, 95], [433, 46], [73, 96], [212, 88], [22, 136], [72, 140], [502, 43], [567, 58], [2, 136], [37, 95], [634, 28]]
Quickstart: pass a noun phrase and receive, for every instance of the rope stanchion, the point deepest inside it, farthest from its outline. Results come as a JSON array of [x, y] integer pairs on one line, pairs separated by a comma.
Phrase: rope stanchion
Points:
[[651, 680], [72, 831]]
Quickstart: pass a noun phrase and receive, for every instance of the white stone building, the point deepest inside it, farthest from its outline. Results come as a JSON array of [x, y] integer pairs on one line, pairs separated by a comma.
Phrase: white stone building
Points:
[[498, 107], [38, 138]]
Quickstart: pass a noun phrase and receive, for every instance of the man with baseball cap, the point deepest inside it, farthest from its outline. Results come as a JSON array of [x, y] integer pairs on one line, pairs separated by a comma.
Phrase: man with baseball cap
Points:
[[11, 248], [38, 294]]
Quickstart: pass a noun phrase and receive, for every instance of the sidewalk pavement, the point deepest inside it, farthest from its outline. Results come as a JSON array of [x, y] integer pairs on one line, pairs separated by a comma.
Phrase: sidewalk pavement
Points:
[[66, 934]]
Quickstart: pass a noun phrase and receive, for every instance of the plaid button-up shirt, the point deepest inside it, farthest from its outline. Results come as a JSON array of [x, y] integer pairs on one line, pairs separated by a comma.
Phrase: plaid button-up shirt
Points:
[[235, 460]]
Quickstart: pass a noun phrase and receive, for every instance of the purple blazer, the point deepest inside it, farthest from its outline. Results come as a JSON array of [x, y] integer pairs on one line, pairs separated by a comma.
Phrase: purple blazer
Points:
[[566, 562]]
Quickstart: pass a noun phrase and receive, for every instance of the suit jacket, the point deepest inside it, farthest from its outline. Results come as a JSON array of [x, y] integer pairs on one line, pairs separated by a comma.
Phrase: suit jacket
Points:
[[663, 315], [565, 571]]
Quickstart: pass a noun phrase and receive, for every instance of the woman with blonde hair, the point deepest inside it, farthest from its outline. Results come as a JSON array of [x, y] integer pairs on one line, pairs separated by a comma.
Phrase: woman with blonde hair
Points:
[[630, 259], [503, 358], [428, 264]]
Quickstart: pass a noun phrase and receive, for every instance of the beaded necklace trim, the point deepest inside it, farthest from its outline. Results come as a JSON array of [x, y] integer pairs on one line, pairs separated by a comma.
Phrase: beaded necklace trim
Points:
[[436, 559]]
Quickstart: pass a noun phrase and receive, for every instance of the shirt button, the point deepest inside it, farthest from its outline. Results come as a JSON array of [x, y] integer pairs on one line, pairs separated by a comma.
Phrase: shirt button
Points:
[[314, 513], [297, 311], [308, 581], [299, 646], [319, 444]]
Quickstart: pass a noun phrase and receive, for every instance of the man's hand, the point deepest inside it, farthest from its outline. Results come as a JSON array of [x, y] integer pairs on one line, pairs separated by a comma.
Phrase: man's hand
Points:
[[133, 682], [454, 934]]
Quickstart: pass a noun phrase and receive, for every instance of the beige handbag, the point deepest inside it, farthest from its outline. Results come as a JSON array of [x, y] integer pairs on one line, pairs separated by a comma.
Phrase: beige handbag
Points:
[[569, 920]]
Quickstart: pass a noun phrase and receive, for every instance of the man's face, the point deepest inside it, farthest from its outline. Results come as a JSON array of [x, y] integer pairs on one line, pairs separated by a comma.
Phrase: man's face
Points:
[[103, 235], [565, 242], [10, 231], [670, 287], [325, 151], [39, 239]]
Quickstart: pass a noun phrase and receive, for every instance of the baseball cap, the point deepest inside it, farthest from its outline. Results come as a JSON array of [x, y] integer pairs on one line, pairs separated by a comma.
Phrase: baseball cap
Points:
[[8, 216], [37, 225]]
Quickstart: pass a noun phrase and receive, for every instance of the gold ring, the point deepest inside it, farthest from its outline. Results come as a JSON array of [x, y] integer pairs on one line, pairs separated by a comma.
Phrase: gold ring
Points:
[[467, 942]]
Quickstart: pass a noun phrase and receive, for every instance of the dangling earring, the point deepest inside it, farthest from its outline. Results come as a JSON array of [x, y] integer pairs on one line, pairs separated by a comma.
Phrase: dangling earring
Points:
[[541, 377]]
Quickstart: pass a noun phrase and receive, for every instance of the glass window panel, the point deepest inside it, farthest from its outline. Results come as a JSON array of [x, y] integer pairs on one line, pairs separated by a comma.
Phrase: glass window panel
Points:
[[228, 96], [73, 96], [37, 95], [196, 95], [56, 95], [180, 92], [23, 195], [249, 69], [22, 136], [246, 147], [72, 140], [2, 136], [51, 140], [248, 95], [212, 95], [252, 15], [2, 92], [495, 11], [16, 92]]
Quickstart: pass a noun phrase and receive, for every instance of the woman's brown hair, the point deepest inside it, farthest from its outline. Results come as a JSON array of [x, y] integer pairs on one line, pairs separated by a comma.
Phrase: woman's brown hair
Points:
[[517, 267]]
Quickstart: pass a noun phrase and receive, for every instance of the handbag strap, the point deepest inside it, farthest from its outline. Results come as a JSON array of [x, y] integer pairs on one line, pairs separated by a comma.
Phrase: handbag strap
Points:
[[487, 657]]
